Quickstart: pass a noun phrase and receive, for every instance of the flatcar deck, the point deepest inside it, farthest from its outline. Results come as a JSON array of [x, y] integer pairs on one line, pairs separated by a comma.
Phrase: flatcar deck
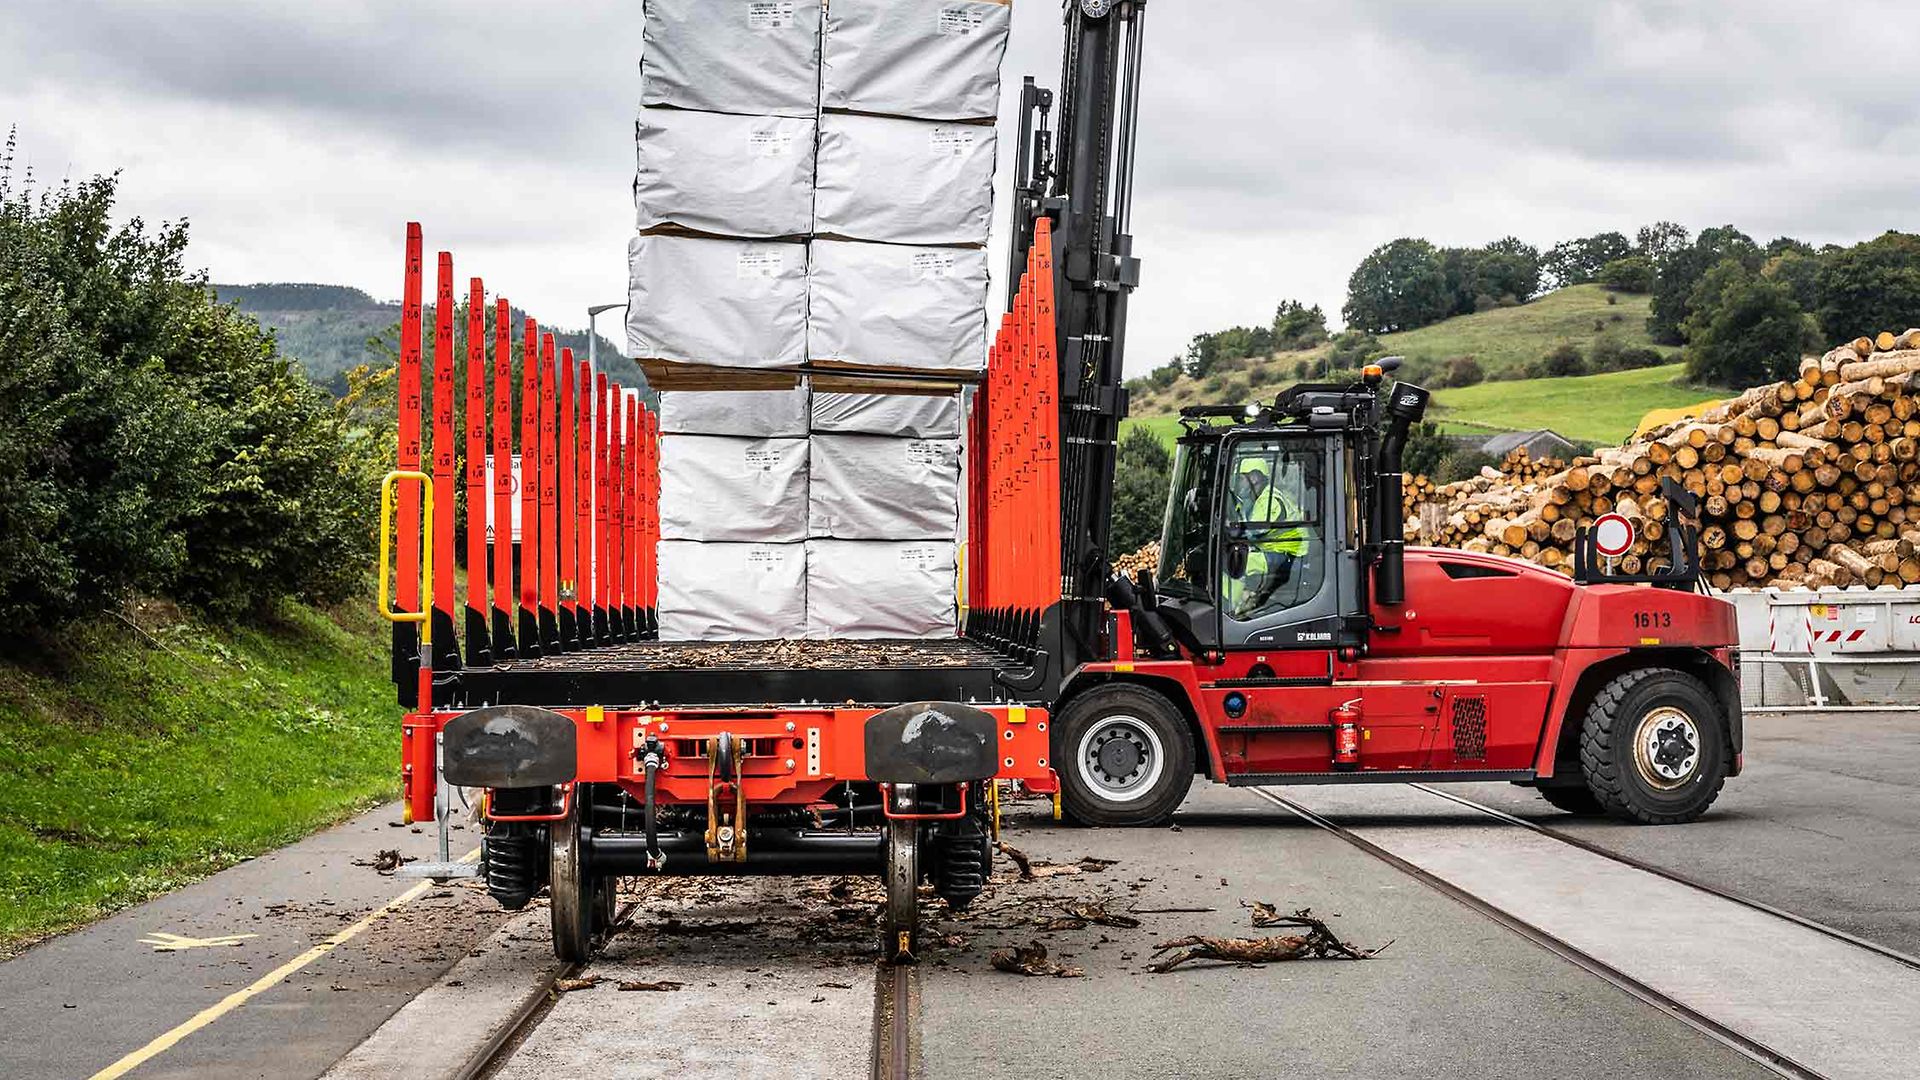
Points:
[[674, 674]]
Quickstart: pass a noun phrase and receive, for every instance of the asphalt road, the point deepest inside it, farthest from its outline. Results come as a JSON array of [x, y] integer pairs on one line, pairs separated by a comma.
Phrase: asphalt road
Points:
[[1824, 822], [776, 976]]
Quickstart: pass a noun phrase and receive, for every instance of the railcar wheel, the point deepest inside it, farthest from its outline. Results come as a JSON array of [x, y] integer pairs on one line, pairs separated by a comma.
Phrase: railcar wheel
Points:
[[574, 899], [1124, 756], [900, 923], [1653, 747]]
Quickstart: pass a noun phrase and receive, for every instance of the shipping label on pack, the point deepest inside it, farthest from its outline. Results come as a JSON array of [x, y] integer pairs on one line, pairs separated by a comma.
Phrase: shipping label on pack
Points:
[[958, 21], [921, 558], [934, 454], [762, 458], [771, 14], [763, 561], [957, 141], [771, 143], [933, 265], [760, 264]]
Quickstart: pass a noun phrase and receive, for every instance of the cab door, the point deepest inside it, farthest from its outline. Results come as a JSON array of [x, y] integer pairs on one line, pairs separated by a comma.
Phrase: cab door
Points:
[[1281, 573]]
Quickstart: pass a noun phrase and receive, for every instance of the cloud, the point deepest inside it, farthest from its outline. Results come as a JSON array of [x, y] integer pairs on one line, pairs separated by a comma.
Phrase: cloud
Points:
[[1279, 143]]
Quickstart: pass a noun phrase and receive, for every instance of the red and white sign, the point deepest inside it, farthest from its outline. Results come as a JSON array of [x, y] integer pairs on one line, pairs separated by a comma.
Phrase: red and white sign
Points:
[[1612, 535]]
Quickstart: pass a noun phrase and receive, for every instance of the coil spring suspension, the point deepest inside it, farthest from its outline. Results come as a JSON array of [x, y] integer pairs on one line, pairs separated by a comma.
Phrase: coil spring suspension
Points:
[[514, 861], [962, 857]]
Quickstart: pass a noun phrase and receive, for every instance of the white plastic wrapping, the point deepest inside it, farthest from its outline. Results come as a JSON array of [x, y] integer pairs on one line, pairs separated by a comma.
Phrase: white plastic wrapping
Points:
[[904, 181], [732, 592], [907, 416], [749, 413], [737, 56], [746, 176], [729, 303], [870, 589], [897, 307], [718, 488], [932, 59], [870, 487]]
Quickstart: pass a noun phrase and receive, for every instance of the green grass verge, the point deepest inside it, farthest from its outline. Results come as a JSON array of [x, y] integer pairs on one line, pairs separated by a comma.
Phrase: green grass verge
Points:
[[132, 763]]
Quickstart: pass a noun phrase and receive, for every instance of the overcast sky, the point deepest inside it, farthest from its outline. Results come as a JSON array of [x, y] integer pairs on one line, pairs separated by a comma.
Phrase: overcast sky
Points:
[[1280, 141]]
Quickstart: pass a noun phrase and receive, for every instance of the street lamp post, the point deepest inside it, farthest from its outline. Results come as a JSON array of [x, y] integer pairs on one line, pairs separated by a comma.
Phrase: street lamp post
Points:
[[593, 333]]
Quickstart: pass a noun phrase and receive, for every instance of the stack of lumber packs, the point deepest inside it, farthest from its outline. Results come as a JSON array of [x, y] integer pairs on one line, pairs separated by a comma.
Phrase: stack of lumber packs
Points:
[[814, 188], [1813, 482]]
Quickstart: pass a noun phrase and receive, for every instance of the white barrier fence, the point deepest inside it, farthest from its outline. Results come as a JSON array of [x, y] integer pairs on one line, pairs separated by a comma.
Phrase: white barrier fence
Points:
[[1827, 649]]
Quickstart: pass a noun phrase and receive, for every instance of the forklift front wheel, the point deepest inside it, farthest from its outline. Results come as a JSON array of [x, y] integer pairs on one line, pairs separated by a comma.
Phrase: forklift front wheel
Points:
[[1128, 757]]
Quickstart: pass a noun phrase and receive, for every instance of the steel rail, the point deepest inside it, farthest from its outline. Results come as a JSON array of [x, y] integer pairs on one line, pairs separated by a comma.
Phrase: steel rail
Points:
[[1679, 878], [496, 1050], [1742, 1044], [893, 988]]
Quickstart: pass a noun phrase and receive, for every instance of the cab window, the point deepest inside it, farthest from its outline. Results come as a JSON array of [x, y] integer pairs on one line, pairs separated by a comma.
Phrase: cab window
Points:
[[1274, 529], [1186, 538]]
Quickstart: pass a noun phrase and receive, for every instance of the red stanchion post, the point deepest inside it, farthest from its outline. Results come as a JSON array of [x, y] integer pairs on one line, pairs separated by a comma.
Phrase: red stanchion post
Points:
[[602, 512], [549, 501], [530, 637], [503, 595], [406, 636], [479, 639], [446, 646], [583, 506]]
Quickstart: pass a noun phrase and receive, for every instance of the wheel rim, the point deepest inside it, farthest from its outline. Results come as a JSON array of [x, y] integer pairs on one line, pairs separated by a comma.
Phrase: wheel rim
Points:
[[1121, 758], [1666, 748], [902, 915]]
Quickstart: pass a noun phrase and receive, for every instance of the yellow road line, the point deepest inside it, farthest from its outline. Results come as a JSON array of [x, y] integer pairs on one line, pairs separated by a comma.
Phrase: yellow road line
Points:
[[264, 983]]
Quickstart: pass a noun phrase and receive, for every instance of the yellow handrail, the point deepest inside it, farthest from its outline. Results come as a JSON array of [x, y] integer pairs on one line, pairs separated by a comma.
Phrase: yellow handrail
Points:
[[388, 485]]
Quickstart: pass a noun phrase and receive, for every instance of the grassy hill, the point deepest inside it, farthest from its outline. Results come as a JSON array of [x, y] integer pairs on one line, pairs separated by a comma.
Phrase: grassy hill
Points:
[[328, 328], [1503, 341]]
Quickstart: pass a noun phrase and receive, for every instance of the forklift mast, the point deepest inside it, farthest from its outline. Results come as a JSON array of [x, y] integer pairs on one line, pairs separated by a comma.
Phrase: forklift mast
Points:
[[1083, 181]]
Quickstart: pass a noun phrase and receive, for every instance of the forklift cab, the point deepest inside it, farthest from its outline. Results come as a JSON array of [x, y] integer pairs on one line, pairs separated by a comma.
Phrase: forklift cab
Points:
[[1261, 544]]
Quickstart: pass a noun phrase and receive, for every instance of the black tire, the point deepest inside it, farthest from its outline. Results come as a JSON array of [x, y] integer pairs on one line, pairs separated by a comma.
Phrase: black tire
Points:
[[1574, 800], [1150, 738], [1653, 747]]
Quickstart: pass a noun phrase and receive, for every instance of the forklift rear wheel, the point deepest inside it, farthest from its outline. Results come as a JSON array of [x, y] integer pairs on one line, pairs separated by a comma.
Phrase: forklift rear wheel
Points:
[[1127, 757], [901, 921], [1654, 747], [581, 905]]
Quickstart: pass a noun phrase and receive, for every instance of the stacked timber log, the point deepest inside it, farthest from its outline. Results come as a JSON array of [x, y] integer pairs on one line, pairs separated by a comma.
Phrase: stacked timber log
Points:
[[1147, 558], [1811, 481]]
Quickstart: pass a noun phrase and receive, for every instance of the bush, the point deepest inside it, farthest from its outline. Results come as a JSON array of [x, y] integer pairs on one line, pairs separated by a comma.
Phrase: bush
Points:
[[1633, 274], [1564, 360], [155, 441], [1462, 371], [1142, 474], [1461, 464], [1425, 449], [1612, 354], [1353, 349]]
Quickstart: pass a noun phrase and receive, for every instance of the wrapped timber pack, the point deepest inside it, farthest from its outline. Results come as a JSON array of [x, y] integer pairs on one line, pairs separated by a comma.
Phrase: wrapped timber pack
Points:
[[769, 414], [720, 488], [736, 56], [903, 181], [931, 59], [745, 176], [891, 306], [871, 487], [876, 589], [730, 303], [906, 416], [732, 592]]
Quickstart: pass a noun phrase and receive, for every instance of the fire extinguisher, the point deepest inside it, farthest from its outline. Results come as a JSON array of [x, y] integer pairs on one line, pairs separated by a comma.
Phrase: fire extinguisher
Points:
[[1346, 736]]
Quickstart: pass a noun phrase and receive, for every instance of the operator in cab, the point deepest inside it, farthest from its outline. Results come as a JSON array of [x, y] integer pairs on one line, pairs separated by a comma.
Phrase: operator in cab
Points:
[[1257, 512]]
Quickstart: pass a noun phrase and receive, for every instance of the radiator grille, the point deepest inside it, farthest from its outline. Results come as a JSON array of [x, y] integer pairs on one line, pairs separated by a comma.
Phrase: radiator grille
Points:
[[1470, 728]]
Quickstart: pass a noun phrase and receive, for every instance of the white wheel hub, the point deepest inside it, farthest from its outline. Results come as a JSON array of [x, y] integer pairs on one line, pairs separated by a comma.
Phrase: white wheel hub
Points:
[[1666, 748], [1121, 758]]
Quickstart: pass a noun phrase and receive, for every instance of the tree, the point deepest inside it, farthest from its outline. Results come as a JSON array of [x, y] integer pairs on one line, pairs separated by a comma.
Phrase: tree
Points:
[[1577, 262], [1563, 360], [1683, 270], [1633, 274], [1799, 271], [1297, 326], [1870, 287], [1400, 286], [156, 442], [1425, 447], [1142, 475], [1351, 349], [1743, 329], [1658, 241]]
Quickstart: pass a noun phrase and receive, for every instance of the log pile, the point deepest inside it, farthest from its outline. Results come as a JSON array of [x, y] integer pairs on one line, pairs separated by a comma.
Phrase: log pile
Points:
[[1812, 481]]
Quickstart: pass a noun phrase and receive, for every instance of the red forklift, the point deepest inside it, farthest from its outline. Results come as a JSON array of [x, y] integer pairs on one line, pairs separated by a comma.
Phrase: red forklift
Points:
[[1288, 636]]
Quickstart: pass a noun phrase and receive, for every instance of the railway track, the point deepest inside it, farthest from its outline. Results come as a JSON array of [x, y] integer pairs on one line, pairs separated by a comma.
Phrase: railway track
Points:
[[1741, 1043], [489, 1057]]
